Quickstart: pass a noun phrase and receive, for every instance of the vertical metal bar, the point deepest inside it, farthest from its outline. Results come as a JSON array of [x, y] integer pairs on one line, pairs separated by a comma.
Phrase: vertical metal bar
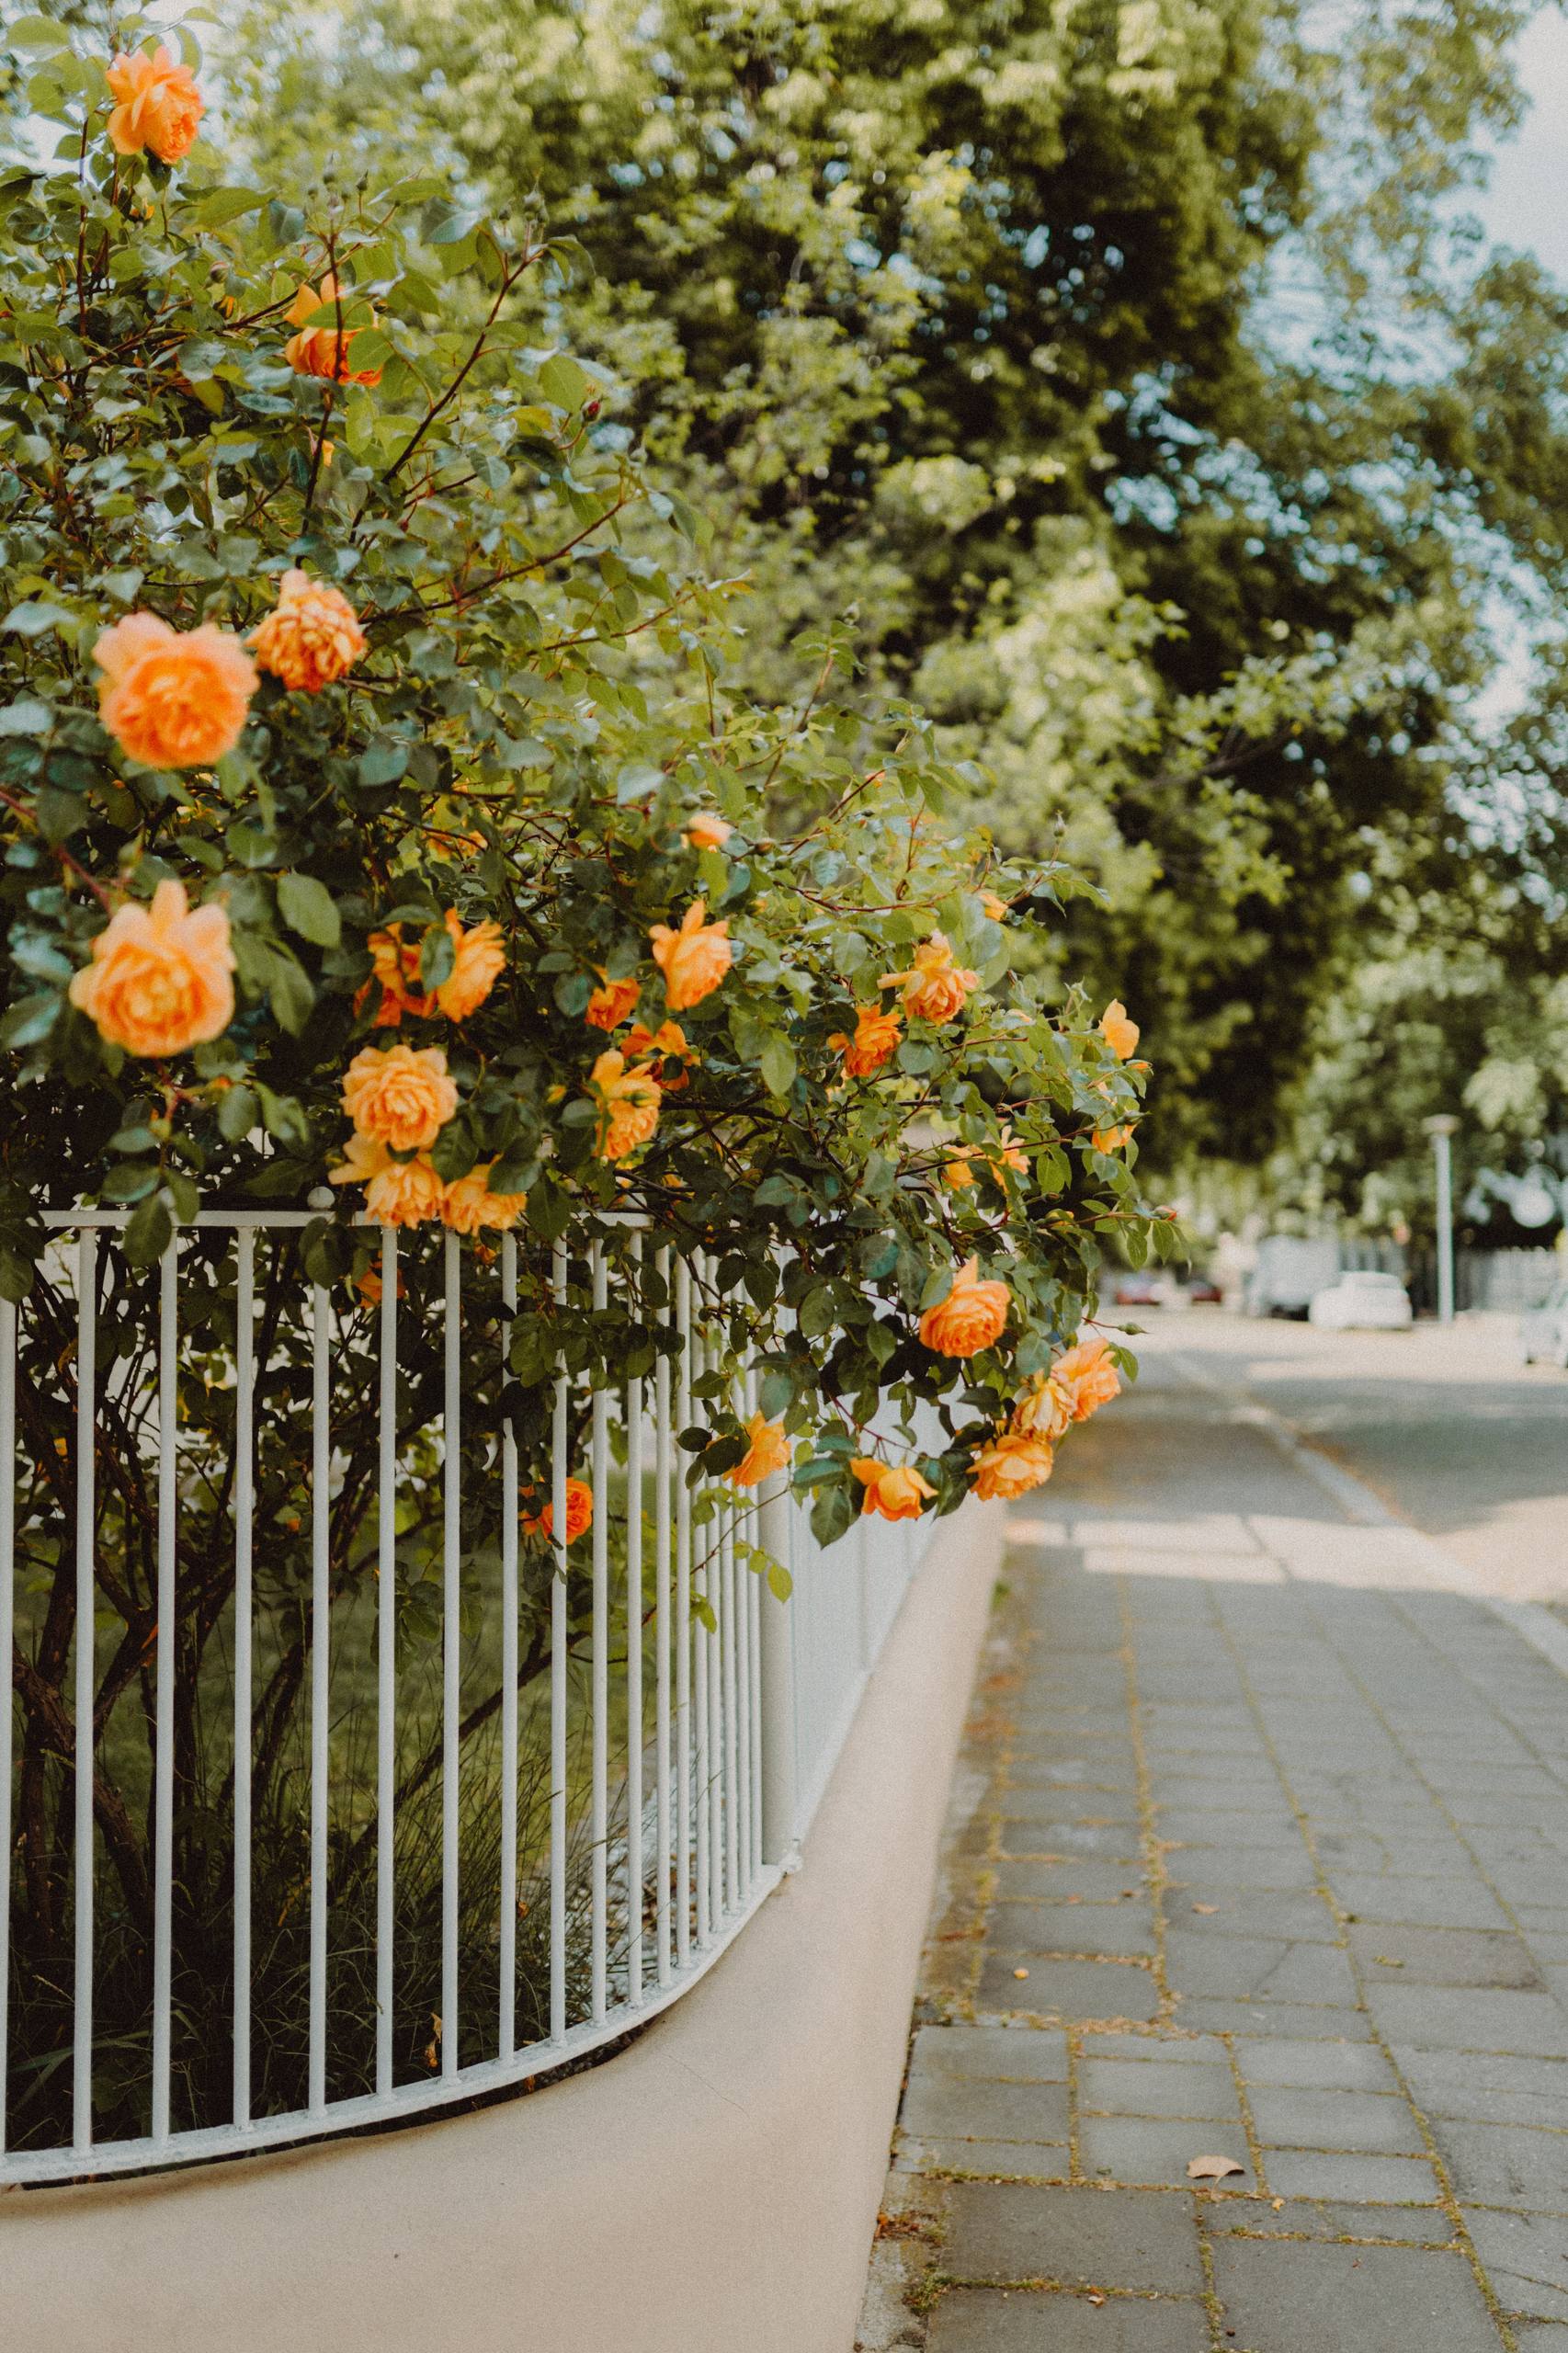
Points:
[[386, 1659], [634, 1665], [452, 1638], [321, 1660], [558, 1686], [600, 1663], [163, 1719], [682, 1624], [662, 1475], [244, 1532], [507, 2024], [759, 1598], [7, 1620], [703, 1585], [730, 1681], [743, 1582], [776, 1677], [86, 1384]]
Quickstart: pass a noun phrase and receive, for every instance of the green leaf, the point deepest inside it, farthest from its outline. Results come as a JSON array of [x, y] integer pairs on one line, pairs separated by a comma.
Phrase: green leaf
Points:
[[147, 1233], [306, 906], [293, 998], [779, 1065], [564, 383], [237, 1110], [384, 761]]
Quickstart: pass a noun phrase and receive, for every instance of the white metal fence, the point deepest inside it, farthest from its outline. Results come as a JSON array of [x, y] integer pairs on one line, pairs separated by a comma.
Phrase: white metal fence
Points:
[[320, 1744]]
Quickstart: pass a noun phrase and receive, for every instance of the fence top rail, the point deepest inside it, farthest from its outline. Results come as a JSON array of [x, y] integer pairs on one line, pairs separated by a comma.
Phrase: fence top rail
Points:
[[89, 1214]]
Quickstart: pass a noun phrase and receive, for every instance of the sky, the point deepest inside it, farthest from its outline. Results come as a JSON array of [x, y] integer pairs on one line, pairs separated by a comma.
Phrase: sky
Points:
[[1527, 203]]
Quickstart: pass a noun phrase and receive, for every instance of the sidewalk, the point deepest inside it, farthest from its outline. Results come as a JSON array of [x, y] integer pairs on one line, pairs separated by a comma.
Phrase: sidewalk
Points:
[[1258, 1851]]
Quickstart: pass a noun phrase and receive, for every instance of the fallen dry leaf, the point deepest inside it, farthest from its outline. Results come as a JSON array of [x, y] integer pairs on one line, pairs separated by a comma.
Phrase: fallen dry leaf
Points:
[[1095, 2297], [1020, 1972], [1387, 1960], [1278, 2204], [1205, 1908], [1214, 2168]]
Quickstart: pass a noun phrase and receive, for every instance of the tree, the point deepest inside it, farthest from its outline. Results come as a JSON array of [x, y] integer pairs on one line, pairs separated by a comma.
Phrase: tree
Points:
[[1113, 368]]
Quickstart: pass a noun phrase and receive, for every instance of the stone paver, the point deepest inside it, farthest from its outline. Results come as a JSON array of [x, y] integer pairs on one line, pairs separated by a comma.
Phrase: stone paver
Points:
[[1270, 1865]]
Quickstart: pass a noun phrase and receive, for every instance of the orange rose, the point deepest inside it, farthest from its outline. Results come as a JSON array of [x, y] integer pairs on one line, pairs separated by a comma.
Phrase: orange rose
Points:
[[396, 963], [693, 960], [608, 1006], [325, 350], [668, 1038], [1010, 1464], [399, 1096], [875, 1040], [311, 638], [159, 106], [1120, 1034], [958, 1174], [1085, 1379], [161, 977], [708, 831], [397, 1192], [173, 699], [469, 1204], [481, 960], [1039, 1412], [997, 909], [972, 1317], [894, 1490], [579, 1514], [1111, 1139], [767, 1452], [935, 988], [628, 1105]]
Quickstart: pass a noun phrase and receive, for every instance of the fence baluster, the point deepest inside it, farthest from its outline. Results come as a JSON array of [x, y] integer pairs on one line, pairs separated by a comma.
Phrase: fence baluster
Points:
[[166, 1655], [321, 1660], [386, 1658], [507, 2024], [86, 1384], [451, 1639], [682, 1624], [7, 1609], [600, 1659], [558, 1685], [244, 1517], [661, 1467], [634, 1663]]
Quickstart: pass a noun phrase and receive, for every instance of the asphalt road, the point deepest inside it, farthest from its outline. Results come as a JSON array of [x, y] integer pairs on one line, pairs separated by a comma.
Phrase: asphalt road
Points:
[[1445, 1425]]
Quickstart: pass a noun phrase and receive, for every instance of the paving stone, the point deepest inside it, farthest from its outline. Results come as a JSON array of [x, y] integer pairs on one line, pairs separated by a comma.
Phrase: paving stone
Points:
[[1316, 2219], [944, 2104], [1042, 1879], [1039, 1807], [1205, 1910], [1444, 1956], [1131, 2088], [1283, 2297], [1316, 2066], [992, 2320], [1489, 2087], [1469, 2019], [1069, 1989], [1300, 2117], [1123, 1930], [1190, 1789], [1506, 2165], [1526, 2259], [1294, 2020], [1004, 2053], [1256, 1968], [1142, 2152], [943, 2154], [1116, 1769], [1205, 1826], [1443, 1902], [1357, 2180], [1086, 2238], [1175, 2050], [1542, 2336], [1249, 1867]]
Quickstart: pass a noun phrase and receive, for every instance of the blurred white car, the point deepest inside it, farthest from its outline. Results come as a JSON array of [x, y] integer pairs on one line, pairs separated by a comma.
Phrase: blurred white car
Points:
[[1362, 1302], [1543, 1330]]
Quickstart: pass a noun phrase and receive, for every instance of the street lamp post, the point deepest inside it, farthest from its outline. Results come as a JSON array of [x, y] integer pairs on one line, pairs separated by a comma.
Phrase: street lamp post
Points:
[[1441, 1130]]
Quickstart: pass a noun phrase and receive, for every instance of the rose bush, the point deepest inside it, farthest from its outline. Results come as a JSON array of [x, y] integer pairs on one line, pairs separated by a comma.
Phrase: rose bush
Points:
[[357, 680]]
